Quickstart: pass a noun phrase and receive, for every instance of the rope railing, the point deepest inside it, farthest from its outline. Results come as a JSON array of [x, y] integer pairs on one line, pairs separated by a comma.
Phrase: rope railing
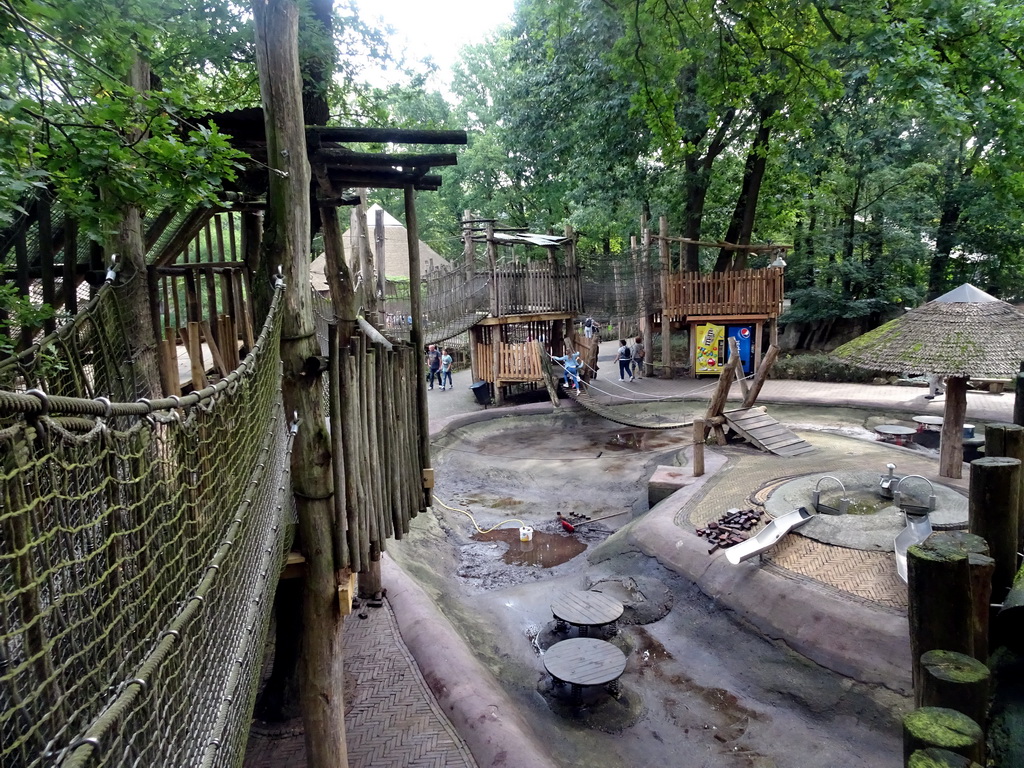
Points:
[[140, 544]]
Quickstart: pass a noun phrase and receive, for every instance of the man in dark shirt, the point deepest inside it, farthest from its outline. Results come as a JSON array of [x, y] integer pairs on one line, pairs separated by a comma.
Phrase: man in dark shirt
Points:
[[433, 365]]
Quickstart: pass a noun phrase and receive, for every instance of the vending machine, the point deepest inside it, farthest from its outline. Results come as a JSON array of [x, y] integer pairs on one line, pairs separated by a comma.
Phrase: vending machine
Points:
[[744, 335], [713, 347], [711, 351]]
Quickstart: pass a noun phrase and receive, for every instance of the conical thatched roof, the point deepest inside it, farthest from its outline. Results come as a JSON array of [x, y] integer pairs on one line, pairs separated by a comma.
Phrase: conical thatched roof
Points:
[[966, 332]]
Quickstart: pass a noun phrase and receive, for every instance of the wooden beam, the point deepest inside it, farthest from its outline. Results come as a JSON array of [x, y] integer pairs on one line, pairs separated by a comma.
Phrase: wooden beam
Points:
[[345, 158], [317, 133]]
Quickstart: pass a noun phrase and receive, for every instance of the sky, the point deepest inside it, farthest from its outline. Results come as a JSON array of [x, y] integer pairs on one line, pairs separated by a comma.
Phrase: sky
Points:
[[438, 28]]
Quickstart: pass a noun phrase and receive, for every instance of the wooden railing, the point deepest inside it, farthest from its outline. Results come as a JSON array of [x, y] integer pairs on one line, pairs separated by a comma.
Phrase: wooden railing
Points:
[[518, 363], [740, 292], [521, 289]]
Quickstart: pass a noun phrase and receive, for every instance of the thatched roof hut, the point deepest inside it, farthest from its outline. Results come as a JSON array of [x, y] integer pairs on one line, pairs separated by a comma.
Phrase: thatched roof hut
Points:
[[964, 333]]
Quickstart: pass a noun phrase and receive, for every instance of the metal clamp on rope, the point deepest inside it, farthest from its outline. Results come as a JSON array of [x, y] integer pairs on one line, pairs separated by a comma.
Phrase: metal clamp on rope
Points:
[[172, 632], [107, 407], [111, 275], [44, 399], [91, 740]]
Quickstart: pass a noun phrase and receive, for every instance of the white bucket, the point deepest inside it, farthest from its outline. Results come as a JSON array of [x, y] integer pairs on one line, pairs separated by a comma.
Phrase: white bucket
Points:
[[526, 533]]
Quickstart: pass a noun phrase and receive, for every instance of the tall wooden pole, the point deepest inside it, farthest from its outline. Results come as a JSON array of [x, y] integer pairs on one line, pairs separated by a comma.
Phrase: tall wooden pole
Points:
[[666, 326], [287, 242], [412, 231]]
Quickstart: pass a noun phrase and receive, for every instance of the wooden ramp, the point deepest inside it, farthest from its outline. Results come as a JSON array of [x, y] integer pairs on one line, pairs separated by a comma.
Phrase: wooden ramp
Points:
[[765, 432], [611, 414]]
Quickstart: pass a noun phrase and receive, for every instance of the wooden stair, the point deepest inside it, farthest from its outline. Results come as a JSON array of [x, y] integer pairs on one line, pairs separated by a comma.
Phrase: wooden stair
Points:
[[756, 426]]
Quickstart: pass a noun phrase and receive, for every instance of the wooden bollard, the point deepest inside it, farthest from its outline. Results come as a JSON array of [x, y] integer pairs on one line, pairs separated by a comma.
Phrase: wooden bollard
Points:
[[698, 447], [993, 503], [933, 757], [943, 728], [954, 681], [1008, 440], [941, 608]]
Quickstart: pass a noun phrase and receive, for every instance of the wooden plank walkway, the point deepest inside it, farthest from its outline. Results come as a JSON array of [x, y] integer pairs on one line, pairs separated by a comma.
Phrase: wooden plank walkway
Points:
[[766, 433], [611, 414]]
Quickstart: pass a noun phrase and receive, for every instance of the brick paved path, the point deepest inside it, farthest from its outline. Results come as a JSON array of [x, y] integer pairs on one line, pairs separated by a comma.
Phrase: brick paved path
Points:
[[392, 718]]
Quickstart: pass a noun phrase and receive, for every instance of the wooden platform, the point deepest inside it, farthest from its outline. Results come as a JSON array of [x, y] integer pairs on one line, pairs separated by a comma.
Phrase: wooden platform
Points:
[[756, 426]]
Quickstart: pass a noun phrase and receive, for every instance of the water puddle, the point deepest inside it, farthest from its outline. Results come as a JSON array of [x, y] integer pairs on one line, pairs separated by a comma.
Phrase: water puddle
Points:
[[636, 440], [545, 551], [866, 502]]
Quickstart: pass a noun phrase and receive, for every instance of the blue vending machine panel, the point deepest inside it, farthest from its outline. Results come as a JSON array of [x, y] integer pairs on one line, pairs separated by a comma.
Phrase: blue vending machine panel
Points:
[[744, 335]]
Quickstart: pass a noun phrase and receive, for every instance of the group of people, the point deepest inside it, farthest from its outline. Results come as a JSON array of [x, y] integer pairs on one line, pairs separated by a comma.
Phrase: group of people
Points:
[[631, 359], [439, 366]]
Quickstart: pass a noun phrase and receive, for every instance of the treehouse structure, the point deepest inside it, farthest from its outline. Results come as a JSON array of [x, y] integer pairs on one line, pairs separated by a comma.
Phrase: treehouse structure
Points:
[[528, 304], [742, 304]]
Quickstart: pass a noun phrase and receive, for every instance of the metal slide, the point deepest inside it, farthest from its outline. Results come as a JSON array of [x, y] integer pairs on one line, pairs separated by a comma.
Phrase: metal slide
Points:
[[768, 536], [919, 528]]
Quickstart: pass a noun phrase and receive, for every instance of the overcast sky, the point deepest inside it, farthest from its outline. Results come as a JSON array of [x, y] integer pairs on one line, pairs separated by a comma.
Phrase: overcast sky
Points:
[[438, 28]]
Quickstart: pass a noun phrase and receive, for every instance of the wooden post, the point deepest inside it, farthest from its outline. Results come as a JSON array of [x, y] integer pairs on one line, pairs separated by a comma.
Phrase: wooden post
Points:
[[416, 332], [698, 446], [492, 260], [734, 350], [955, 681], [1018, 397], [1008, 440], [761, 376], [941, 599], [945, 729], [933, 757], [468, 246], [951, 448], [993, 504], [287, 243], [721, 394], [666, 325], [380, 258], [647, 329]]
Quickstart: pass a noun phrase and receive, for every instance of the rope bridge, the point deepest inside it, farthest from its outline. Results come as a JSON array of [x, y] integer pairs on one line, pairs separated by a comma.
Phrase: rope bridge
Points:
[[140, 545]]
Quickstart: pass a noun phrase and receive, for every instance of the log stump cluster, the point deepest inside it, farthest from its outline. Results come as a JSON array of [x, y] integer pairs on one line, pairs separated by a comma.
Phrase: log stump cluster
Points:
[[731, 528]]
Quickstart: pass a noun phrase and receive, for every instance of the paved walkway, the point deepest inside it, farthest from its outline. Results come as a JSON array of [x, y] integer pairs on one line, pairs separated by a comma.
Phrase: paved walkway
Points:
[[393, 718]]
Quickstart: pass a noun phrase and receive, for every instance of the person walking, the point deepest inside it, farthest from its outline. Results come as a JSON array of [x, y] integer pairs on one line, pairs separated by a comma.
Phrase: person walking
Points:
[[588, 327], [625, 358], [637, 351], [446, 369], [433, 365]]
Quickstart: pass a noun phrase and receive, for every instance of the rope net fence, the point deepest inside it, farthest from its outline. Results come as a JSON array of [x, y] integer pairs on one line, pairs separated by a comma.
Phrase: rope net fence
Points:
[[89, 357], [140, 546]]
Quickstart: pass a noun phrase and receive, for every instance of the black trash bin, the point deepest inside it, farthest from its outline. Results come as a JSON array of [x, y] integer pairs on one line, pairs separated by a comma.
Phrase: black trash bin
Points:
[[482, 393]]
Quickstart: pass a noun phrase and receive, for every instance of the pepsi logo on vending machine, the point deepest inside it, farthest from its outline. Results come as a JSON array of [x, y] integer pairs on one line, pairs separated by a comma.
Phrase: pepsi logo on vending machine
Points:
[[744, 332]]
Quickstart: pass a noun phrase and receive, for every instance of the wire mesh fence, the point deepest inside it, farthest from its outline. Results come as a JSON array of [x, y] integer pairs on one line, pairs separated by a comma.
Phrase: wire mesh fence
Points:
[[140, 544]]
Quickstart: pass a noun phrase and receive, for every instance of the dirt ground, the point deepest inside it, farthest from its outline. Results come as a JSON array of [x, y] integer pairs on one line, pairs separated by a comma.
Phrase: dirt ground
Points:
[[700, 689]]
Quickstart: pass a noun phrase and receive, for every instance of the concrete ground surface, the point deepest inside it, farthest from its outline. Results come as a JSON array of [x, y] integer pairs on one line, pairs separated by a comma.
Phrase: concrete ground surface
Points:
[[464, 698]]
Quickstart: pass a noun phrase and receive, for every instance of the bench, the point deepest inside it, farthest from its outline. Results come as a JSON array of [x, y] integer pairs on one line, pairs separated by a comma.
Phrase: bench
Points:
[[995, 386]]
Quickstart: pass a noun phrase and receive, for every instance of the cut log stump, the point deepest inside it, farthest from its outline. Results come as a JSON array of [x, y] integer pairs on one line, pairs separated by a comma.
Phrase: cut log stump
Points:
[[943, 728]]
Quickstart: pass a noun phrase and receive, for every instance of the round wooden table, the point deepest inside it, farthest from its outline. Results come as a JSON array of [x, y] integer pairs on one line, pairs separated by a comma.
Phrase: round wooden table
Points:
[[584, 661], [928, 423], [585, 610], [895, 433]]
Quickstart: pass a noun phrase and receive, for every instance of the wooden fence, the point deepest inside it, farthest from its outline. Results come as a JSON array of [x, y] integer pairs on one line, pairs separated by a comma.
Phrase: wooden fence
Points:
[[518, 363], [522, 289], [740, 292]]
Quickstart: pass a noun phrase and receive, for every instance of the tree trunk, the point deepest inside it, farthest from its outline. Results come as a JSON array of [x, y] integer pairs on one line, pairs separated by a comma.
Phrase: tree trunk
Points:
[[129, 243], [951, 448], [286, 241], [742, 223]]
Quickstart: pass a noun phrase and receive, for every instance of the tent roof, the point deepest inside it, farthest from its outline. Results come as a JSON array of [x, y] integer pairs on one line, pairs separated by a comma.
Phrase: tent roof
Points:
[[396, 251], [964, 333]]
